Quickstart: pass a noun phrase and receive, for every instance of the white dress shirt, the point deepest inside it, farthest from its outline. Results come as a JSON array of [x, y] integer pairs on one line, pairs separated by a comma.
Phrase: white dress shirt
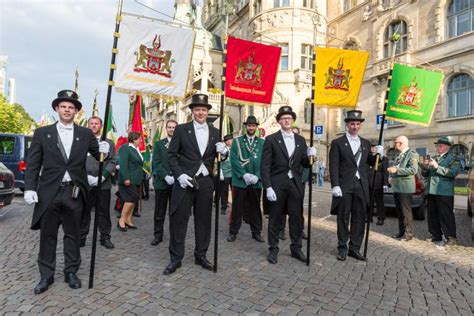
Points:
[[202, 137], [66, 134], [289, 139], [355, 145], [138, 150]]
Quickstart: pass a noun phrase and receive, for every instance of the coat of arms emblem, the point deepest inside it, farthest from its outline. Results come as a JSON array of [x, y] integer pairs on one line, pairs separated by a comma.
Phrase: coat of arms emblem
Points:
[[338, 78], [154, 60], [410, 95], [248, 72]]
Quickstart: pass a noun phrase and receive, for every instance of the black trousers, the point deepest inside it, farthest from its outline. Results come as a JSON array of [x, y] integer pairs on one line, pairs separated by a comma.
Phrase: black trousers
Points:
[[224, 192], [378, 199], [201, 202], [162, 200], [404, 213], [441, 220], [285, 214], [353, 211], [105, 223], [246, 200], [146, 188], [67, 211], [288, 198]]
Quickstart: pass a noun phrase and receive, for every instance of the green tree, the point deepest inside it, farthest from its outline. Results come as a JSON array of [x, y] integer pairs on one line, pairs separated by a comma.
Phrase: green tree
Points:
[[13, 118]]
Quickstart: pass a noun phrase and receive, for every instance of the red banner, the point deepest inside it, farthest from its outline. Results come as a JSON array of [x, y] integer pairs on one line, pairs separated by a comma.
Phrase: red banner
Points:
[[251, 71], [137, 125]]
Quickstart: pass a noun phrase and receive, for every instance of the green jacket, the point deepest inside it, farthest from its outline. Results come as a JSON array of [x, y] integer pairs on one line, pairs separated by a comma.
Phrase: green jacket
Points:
[[226, 167], [404, 180], [160, 166], [247, 161], [440, 181], [131, 165]]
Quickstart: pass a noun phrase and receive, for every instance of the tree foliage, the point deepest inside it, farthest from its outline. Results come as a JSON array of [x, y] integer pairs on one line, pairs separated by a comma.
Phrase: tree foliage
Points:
[[13, 118]]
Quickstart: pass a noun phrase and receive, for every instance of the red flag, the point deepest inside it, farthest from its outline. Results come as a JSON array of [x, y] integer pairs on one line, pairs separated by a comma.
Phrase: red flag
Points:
[[120, 141], [251, 71], [137, 125]]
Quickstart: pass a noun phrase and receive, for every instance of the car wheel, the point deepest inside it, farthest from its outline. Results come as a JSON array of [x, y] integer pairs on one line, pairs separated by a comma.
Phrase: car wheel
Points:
[[419, 213]]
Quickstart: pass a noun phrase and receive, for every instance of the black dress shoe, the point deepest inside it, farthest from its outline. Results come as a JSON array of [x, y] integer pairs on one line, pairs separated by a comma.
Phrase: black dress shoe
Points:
[[131, 226], [137, 214], [398, 236], [341, 255], [107, 244], [122, 229], [356, 255], [231, 237], [379, 222], [82, 243], [304, 236], [43, 285], [204, 263], [281, 235], [272, 257], [73, 281], [156, 241], [171, 268], [298, 254], [258, 237]]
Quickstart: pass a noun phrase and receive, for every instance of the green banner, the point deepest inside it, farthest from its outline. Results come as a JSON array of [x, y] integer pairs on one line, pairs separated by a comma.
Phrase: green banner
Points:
[[413, 94]]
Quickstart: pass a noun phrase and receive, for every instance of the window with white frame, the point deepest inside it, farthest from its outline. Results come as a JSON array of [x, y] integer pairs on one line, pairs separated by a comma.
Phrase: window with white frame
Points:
[[281, 3], [306, 56], [309, 4], [257, 7], [396, 27], [284, 57], [460, 96], [349, 4], [460, 17]]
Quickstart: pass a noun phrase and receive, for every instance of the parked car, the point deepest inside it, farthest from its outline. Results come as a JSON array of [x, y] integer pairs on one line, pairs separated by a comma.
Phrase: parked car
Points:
[[418, 204], [13, 152], [7, 185]]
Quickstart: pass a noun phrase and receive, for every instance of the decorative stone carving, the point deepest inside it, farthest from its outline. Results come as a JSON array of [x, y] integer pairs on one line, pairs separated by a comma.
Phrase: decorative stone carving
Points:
[[367, 13], [384, 5]]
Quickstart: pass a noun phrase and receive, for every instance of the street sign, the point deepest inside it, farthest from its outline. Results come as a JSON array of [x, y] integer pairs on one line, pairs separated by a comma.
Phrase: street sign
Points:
[[379, 122], [318, 130]]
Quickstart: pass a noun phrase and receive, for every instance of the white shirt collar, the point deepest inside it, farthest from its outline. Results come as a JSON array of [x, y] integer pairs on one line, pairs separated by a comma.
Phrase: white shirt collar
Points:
[[66, 126], [199, 125], [290, 134], [169, 138], [350, 137]]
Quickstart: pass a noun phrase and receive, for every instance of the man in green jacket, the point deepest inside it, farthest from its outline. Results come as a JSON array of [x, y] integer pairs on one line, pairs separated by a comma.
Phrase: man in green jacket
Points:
[[439, 172], [245, 157], [402, 179], [225, 176], [162, 181]]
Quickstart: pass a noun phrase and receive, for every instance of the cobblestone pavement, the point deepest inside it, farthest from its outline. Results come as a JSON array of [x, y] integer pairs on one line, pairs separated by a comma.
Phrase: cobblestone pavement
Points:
[[399, 278]]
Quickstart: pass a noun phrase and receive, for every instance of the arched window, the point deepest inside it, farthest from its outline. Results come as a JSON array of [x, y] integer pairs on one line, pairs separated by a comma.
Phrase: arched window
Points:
[[460, 17], [396, 27], [352, 45], [460, 93]]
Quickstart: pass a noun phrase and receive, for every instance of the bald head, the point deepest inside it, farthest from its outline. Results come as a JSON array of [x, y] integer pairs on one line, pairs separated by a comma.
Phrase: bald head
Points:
[[401, 143]]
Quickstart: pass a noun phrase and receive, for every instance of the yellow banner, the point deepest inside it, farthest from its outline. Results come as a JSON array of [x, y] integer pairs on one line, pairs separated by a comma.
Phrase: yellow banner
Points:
[[339, 75]]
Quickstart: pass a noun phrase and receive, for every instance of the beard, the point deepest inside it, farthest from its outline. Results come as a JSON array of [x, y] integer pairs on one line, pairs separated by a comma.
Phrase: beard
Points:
[[251, 133]]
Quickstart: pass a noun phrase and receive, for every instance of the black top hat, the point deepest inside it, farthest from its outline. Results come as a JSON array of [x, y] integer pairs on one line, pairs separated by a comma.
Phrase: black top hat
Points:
[[227, 137], [251, 120], [354, 115], [285, 110], [199, 99], [67, 95]]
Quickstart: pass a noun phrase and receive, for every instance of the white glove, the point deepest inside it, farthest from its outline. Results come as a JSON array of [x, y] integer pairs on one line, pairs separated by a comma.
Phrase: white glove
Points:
[[104, 147], [221, 175], [221, 148], [254, 179], [271, 195], [336, 191], [311, 151], [247, 178], [30, 197], [380, 151], [385, 189], [169, 180], [92, 180], [117, 167], [184, 181]]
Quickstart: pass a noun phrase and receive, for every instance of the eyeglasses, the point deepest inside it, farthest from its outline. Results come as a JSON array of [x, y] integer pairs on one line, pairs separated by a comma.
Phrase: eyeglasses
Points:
[[397, 143]]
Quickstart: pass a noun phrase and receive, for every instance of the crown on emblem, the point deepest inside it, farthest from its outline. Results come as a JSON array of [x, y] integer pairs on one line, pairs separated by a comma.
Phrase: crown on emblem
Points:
[[69, 93], [356, 114]]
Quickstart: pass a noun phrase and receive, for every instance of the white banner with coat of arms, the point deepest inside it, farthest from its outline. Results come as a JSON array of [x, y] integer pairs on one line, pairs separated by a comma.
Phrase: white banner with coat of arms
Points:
[[153, 58]]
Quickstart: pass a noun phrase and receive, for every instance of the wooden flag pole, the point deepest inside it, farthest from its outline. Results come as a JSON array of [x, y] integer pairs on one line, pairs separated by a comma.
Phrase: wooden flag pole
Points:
[[102, 138]]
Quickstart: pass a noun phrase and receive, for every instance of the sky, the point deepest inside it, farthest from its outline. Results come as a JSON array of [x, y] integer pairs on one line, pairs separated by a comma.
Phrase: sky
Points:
[[46, 40]]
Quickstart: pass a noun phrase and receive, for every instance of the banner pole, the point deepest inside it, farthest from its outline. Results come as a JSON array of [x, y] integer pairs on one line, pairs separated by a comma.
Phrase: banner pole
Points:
[[116, 35], [395, 39]]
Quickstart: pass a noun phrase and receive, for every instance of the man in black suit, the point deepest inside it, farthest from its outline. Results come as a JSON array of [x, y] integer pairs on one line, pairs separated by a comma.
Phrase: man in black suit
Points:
[[283, 158], [92, 166], [191, 155], [349, 161], [381, 182], [56, 180]]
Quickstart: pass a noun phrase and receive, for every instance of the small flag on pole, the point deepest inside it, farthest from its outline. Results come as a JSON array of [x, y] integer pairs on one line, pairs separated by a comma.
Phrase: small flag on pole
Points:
[[338, 78], [413, 94]]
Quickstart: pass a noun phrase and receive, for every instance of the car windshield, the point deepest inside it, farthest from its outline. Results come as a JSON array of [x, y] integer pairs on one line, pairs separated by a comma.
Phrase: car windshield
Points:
[[7, 144]]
